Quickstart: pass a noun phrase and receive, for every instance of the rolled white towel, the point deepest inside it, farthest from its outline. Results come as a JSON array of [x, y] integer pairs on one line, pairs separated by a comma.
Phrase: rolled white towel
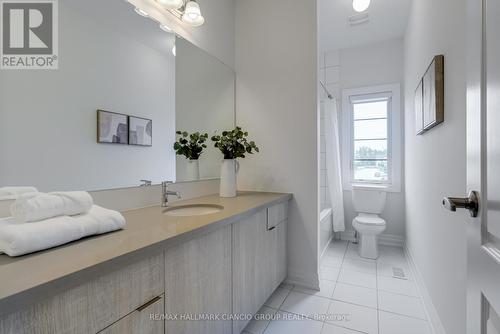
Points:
[[23, 238], [12, 193], [33, 207]]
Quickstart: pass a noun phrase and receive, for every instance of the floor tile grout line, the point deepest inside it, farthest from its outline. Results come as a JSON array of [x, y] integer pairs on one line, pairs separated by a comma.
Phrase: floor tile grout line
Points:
[[284, 299], [302, 315], [279, 308], [343, 327], [335, 299], [399, 294], [402, 315]]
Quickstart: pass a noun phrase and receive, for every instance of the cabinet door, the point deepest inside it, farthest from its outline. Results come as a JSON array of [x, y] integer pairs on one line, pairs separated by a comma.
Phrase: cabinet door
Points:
[[253, 261], [66, 313], [277, 254], [281, 253], [147, 319], [198, 283]]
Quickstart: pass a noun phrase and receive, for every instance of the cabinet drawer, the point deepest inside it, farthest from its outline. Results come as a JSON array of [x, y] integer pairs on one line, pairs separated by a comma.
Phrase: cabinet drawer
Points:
[[94, 305], [145, 320], [112, 296], [276, 214]]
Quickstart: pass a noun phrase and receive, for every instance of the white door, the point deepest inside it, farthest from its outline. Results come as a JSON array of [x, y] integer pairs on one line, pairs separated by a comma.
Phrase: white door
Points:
[[483, 165]]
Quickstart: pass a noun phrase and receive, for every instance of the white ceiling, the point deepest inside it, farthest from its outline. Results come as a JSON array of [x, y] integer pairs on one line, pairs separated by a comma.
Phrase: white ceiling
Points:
[[388, 20]]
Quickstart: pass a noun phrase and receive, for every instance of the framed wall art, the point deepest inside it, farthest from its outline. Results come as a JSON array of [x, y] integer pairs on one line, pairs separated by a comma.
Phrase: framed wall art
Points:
[[140, 131], [112, 128], [432, 96]]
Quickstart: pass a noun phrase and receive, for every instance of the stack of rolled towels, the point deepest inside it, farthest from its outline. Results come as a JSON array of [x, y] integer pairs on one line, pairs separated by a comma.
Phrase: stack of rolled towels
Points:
[[44, 220]]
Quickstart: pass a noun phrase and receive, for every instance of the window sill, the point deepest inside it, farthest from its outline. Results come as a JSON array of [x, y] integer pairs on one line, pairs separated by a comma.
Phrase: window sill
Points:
[[390, 188]]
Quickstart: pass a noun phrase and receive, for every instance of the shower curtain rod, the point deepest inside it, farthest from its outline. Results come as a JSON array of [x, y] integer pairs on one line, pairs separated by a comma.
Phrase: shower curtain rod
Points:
[[326, 90]]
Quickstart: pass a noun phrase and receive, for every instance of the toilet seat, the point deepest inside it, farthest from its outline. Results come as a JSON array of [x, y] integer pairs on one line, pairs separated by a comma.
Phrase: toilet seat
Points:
[[370, 220]]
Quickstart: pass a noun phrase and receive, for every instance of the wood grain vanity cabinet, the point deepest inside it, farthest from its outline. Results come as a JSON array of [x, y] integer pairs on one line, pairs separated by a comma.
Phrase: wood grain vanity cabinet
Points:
[[198, 282], [259, 260], [223, 271]]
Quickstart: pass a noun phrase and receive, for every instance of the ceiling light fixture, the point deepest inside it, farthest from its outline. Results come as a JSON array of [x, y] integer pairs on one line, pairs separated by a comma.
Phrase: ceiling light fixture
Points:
[[360, 5], [165, 28], [192, 14], [141, 12], [171, 4]]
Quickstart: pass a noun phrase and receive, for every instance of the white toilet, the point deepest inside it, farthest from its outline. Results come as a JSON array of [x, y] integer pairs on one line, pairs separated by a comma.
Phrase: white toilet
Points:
[[368, 204]]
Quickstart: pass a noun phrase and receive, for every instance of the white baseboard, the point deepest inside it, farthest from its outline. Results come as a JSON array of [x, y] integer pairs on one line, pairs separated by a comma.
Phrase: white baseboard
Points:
[[384, 239], [430, 310], [309, 281], [391, 240], [326, 247], [347, 235]]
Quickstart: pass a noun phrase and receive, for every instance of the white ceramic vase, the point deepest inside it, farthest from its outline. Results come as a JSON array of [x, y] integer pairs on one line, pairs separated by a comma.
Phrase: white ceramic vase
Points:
[[193, 170], [229, 169]]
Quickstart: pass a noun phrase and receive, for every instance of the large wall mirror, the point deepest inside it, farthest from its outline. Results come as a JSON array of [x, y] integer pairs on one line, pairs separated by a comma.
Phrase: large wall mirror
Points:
[[113, 60]]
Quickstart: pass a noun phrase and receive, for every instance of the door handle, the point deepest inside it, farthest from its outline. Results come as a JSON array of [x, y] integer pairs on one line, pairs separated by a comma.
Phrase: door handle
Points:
[[470, 203]]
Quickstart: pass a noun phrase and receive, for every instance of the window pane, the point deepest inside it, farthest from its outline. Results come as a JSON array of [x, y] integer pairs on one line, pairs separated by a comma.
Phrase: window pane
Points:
[[370, 110], [372, 129], [370, 171], [370, 149]]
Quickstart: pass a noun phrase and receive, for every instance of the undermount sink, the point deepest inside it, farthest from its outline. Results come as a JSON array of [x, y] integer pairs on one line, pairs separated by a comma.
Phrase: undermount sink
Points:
[[192, 210]]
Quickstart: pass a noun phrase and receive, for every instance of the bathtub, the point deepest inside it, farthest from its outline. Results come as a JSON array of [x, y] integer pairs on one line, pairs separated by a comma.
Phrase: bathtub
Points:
[[325, 229]]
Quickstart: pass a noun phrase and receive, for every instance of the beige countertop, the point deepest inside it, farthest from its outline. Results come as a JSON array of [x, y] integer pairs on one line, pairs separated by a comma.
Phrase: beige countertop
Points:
[[23, 278]]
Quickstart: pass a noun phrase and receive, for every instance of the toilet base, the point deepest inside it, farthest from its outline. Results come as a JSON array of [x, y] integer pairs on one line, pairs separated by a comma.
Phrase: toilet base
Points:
[[368, 246]]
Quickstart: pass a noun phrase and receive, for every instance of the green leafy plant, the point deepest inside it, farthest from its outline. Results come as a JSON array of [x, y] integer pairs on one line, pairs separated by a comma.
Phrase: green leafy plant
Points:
[[234, 144], [190, 145]]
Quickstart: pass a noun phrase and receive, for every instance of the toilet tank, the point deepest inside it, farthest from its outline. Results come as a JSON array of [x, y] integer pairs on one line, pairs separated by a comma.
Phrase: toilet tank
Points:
[[368, 200]]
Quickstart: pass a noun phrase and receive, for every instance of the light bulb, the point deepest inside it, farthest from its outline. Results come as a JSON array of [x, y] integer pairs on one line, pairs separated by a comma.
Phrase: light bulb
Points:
[[171, 4], [360, 5], [192, 14], [141, 12]]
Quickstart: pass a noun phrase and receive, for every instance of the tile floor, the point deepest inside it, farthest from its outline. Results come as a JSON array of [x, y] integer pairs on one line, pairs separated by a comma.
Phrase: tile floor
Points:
[[356, 296]]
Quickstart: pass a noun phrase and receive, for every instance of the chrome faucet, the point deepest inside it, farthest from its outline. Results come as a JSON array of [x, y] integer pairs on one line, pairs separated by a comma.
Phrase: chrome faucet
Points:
[[165, 193], [146, 183]]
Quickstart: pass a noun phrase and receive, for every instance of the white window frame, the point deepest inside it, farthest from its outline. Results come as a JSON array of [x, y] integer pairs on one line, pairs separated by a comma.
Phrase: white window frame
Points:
[[394, 135]]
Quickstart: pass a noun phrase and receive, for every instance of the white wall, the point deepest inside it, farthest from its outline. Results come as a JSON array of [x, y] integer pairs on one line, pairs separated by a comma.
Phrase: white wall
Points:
[[51, 118], [276, 89], [436, 161], [369, 65]]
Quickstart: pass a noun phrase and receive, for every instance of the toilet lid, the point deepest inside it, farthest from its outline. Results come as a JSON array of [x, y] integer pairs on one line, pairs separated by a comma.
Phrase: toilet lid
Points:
[[370, 220]]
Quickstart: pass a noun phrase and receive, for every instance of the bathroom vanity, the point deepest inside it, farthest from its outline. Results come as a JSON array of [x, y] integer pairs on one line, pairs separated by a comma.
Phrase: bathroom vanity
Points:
[[156, 274]]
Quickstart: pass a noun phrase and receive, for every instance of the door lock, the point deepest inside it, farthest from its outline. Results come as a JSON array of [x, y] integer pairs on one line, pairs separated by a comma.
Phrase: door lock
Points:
[[470, 203]]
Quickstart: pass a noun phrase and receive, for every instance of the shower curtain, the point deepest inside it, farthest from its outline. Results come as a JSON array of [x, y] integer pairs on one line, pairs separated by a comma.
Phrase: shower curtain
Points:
[[333, 166]]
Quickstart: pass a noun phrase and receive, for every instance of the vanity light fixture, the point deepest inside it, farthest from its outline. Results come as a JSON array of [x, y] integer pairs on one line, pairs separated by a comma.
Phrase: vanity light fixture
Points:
[[171, 4], [360, 5], [188, 11], [165, 28], [192, 14], [141, 12]]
